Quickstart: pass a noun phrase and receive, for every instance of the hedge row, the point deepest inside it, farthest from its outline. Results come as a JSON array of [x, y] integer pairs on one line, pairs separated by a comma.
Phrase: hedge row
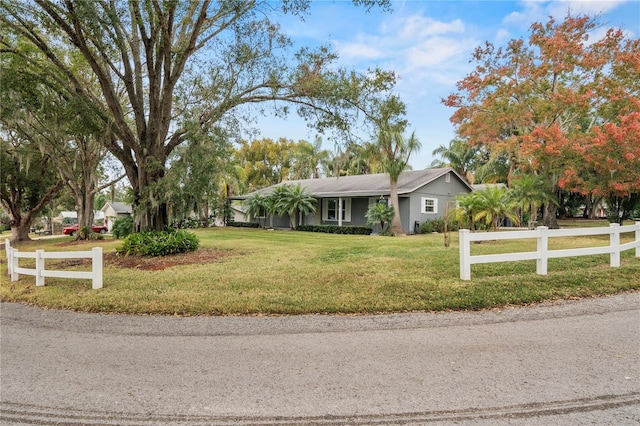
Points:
[[335, 229], [243, 224]]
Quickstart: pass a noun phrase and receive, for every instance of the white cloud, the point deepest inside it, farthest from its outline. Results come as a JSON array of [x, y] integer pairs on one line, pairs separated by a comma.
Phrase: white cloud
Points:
[[418, 27], [540, 10], [434, 51], [359, 50], [559, 9], [407, 43]]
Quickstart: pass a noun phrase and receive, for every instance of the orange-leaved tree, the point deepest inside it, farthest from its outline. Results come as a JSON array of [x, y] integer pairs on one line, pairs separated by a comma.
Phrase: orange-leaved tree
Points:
[[541, 102]]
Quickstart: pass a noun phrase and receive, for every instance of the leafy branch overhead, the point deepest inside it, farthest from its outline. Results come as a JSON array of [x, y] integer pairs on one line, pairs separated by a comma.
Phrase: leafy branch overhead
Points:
[[167, 71]]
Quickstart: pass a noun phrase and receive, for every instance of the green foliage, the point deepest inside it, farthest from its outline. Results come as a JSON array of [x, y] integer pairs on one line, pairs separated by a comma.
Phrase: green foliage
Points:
[[243, 224], [256, 205], [437, 225], [158, 243], [122, 227], [68, 221], [307, 160], [241, 43], [292, 200], [460, 156], [380, 213], [494, 205], [265, 162], [335, 229]]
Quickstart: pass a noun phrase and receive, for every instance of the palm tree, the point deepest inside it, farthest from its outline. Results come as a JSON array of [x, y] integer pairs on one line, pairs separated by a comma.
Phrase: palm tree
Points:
[[307, 159], [256, 204], [380, 213], [467, 207], [395, 151], [293, 200], [494, 204], [460, 156], [530, 190]]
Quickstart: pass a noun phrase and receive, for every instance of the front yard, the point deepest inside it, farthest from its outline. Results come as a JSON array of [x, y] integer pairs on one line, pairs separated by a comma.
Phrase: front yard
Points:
[[259, 272]]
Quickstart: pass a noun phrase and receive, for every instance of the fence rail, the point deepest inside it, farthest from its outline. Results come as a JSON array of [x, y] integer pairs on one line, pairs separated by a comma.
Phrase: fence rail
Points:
[[543, 254], [40, 272]]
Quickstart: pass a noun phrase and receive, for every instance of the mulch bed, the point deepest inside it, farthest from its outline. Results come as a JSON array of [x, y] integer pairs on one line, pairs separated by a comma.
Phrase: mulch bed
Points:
[[201, 256]]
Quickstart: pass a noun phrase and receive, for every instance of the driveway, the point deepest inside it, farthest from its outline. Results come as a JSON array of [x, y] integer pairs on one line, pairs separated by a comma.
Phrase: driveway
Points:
[[569, 363]]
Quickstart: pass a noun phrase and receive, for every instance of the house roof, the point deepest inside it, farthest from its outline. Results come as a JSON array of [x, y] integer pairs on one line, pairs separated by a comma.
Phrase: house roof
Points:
[[364, 185], [118, 207]]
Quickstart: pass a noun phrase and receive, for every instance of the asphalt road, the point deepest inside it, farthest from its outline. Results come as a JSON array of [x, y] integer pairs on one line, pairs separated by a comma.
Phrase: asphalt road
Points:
[[569, 363]]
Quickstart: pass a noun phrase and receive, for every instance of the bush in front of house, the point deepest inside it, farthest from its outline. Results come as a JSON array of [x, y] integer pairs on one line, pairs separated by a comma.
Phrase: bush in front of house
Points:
[[335, 229], [122, 227], [243, 224], [159, 243], [436, 225]]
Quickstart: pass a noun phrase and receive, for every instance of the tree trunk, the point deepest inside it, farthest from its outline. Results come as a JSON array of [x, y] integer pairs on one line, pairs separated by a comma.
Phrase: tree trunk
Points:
[[20, 229], [549, 218], [84, 205], [396, 223]]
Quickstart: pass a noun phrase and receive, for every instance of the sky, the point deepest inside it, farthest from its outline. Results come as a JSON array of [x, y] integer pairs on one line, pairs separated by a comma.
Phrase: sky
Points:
[[428, 44]]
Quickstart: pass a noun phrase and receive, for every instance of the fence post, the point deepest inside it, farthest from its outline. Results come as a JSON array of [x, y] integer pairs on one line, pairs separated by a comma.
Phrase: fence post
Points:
[[9, 253], [614, 243], [39, 268], [465, 254], [96, 281], [638, 239], [543, 250], [14, 265]]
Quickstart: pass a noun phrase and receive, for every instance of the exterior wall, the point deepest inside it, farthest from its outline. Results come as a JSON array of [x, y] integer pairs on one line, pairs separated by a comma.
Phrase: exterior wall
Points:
[[405, 214], [410, 206], [444, 192]]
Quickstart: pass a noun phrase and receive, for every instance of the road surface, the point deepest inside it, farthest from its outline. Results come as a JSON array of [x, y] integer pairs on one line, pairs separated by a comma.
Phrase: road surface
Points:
[[569, 363]]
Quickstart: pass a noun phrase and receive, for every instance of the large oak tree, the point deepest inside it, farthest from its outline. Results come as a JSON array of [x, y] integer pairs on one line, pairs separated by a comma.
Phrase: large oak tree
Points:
[[155, 60]]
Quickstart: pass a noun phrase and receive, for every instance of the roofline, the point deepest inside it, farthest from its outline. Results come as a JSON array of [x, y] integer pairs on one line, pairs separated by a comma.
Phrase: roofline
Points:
[[356, 193]]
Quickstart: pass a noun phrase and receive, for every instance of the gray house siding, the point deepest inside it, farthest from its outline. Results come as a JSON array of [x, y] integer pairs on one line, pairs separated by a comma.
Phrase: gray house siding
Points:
[[423, 195], [358, 209], [405, 214], [442, 191]]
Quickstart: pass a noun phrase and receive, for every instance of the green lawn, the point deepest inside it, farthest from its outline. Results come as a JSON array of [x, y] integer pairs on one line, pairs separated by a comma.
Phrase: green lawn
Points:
[[284, 272]]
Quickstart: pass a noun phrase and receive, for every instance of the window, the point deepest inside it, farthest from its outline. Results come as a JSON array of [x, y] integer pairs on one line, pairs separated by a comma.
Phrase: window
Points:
[[330, 209], [447, 178], [429, 205]]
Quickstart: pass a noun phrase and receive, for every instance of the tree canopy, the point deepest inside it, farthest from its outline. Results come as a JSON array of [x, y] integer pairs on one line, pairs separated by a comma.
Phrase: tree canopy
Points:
[[556, 103], [169, 69]]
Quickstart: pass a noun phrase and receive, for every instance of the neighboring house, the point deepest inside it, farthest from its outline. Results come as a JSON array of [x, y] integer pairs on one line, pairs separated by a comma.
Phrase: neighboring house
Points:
[[238, 213], [69, 216], [115, 210], [73, 216], [343, 201]]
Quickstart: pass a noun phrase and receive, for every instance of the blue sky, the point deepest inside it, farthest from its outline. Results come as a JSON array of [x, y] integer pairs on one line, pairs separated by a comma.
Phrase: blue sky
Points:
[[428, 44]]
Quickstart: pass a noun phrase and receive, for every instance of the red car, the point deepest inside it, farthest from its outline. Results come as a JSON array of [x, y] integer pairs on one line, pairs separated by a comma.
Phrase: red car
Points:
[[72, 230]]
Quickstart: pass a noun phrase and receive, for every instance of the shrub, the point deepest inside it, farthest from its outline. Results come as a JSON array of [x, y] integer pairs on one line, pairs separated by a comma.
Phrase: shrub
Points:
[[122, 227], [243, 224], [436, 225], [335, 229], [158, 243]]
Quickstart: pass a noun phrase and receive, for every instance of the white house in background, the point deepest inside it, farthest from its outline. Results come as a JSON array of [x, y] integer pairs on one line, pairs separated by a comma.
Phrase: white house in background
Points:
[[97, 215], [115, 210], [67, 215]]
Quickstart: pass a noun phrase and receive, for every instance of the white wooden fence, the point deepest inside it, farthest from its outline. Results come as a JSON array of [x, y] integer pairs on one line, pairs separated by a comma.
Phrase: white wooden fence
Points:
[[95, 275], [543, 254]]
